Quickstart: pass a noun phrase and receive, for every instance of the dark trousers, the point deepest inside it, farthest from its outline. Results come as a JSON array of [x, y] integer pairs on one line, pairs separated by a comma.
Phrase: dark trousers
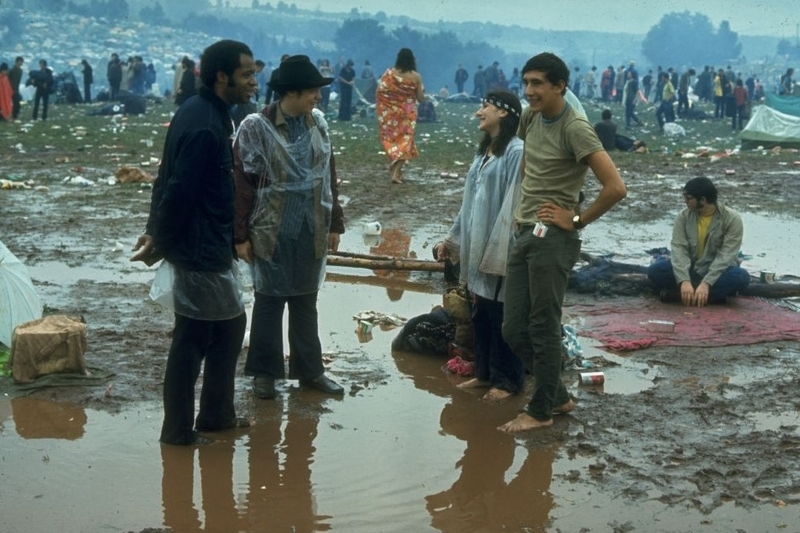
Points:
[[737, 122], [44, 96], [113, 90], [719, 107], [683, 102], [265, 356], [87, 93], [733, 280], [536, 281], [630, 114], [16, 98], [495, 362], [665, 113], [218, 342]]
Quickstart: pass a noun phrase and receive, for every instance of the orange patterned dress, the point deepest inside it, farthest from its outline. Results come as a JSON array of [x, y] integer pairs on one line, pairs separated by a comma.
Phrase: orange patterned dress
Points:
[[396, 108]]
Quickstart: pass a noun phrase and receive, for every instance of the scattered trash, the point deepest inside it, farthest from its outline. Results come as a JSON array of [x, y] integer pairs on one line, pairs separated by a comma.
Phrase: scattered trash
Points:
[[380, 319], [663, 326], [767, 276], [460, 367], [8, 184], [448, 175], [593, 378], [78, 180], [127, 174], [372, 228], [364, 327], [720, 155], [671, 129]]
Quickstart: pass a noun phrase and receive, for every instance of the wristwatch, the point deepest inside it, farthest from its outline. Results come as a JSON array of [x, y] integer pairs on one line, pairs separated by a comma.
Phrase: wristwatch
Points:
[[577, 223]]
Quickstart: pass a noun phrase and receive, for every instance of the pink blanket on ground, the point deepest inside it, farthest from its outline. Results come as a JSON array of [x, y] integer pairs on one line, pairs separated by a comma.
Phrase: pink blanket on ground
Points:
[[620, 324]]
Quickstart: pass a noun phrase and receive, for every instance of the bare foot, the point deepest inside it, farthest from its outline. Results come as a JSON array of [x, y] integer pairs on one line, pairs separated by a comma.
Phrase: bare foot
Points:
[[396, 170], [564, 408], [495, 395], [473, 383], [524, 422]]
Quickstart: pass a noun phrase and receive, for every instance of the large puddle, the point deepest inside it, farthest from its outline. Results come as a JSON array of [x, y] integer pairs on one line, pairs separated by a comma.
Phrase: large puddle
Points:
[[403, 451]]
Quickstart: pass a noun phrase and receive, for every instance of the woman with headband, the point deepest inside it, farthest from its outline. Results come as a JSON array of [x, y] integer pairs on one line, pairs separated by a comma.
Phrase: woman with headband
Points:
[[480, 237]]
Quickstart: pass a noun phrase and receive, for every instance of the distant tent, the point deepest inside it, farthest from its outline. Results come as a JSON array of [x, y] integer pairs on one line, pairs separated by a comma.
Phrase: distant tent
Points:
[[775, 124], [789, 105], [365, 89]]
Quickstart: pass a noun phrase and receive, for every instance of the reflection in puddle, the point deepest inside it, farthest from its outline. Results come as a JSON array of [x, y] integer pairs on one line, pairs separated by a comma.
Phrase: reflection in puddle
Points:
[[403, 451], [119, 270], [41, 419]]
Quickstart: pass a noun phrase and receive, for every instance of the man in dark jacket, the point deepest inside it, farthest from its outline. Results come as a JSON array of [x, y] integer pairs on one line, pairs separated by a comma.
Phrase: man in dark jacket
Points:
[[14, 78], [191, 227], [114, 75], [88, 79], [43, 81]]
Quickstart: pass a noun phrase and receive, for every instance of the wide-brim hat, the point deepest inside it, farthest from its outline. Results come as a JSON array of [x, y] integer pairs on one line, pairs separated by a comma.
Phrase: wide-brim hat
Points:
[[298, 73]]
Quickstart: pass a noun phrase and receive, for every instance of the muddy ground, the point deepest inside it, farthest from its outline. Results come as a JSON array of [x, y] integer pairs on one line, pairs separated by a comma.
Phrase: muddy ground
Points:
[[718, 426]]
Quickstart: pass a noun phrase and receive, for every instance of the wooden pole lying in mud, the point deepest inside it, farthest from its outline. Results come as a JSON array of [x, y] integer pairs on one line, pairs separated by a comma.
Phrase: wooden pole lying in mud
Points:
[[382, 262], [627, 275]]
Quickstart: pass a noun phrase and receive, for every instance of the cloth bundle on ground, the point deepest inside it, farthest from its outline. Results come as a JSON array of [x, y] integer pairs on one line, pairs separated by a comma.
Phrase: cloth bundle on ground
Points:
[[428, 333], [671, 129], [434, 332], [603, 276], [426, 111], [129, 104], [621, 324], [49, 345], [133, 175]]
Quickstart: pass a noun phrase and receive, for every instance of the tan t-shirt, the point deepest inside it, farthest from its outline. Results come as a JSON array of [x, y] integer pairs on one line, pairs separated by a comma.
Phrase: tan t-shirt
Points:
[[554, 167]]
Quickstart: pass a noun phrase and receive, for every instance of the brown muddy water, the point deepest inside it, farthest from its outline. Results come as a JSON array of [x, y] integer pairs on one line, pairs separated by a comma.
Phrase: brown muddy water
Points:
[[403, 450]]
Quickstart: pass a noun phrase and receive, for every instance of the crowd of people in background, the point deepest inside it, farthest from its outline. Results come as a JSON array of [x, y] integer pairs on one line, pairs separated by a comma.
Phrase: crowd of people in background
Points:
[[671, 91], [673, 94]]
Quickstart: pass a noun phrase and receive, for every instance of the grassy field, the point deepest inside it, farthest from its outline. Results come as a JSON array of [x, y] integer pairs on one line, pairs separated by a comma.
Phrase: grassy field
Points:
[[71, 138]]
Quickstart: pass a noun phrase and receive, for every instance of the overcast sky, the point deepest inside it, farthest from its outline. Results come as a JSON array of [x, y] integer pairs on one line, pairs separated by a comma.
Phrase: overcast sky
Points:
[[747, 17]]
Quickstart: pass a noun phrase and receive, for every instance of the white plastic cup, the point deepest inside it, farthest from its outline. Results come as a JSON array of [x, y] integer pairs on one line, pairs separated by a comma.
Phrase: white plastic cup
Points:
[[372, 228]]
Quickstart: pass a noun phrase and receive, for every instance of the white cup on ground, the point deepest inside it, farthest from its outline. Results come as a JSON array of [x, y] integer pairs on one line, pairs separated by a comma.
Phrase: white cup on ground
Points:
[[372, 228]]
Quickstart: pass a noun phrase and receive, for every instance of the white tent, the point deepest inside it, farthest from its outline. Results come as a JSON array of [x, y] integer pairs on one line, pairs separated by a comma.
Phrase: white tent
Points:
[[18, 299], [768, 128]]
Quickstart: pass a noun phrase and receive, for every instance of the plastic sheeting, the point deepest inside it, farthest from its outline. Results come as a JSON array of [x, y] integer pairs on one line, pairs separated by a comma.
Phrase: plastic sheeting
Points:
[[769, 127], [789, 105], [19, 301]]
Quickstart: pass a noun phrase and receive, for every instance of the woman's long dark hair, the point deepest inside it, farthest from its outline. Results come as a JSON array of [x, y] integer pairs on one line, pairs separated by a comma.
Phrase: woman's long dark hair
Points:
[[508, 130], [405, 60]]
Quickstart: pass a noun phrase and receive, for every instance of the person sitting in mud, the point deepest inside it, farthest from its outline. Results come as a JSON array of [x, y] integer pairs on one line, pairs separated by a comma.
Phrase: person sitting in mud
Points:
[[706, 240], [606, 131]]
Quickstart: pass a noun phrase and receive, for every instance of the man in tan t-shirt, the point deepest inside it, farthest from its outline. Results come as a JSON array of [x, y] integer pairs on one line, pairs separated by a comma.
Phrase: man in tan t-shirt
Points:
[[560, 147]]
